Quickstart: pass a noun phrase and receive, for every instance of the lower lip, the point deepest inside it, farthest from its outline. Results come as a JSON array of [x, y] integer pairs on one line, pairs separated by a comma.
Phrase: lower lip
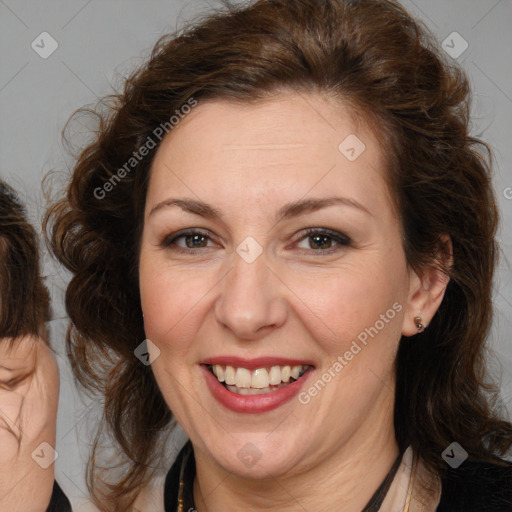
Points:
[[252, 404]]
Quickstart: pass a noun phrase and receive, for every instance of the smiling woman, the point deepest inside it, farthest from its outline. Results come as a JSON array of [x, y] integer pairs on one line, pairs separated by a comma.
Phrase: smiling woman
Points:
[[308, 256]]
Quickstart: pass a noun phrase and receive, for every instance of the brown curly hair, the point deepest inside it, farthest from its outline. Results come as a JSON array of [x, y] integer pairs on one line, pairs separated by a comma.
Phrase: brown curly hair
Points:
[[24, 299], [371, 55]]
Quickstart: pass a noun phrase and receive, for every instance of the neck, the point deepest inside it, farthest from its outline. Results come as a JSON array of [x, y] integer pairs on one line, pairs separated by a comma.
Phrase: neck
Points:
[[345, 480]]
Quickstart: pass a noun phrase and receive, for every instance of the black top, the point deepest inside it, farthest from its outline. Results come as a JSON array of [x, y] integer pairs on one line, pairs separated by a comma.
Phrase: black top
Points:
[[59, 502], [472, 487], [477, 486]]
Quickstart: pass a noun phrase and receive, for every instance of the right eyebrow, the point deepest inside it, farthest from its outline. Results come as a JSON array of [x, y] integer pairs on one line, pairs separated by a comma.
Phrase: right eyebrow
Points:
[[189, 205]]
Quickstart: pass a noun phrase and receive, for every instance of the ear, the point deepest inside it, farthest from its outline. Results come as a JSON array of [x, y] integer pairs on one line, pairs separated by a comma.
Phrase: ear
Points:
[[426, 289]]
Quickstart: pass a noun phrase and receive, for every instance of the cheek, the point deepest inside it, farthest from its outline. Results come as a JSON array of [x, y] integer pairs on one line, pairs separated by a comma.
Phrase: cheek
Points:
[[347, 304], [171, 300]]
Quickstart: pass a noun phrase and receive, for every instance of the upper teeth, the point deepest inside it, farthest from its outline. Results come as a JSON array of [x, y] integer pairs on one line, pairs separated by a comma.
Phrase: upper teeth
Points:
[[260, 378]]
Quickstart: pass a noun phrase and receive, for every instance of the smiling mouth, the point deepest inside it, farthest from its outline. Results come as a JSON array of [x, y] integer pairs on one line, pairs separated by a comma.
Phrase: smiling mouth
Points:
[[258, 381]]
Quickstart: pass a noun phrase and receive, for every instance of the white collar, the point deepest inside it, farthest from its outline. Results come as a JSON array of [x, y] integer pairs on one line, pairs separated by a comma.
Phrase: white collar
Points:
[[414, 488]]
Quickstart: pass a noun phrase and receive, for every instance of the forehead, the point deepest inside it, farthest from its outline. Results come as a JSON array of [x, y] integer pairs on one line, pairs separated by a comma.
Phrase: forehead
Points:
[[287, 144], [283, 121]]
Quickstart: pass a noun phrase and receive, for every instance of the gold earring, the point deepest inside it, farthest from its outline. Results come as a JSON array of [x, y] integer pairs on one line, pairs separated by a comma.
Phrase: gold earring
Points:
[[419, 324]]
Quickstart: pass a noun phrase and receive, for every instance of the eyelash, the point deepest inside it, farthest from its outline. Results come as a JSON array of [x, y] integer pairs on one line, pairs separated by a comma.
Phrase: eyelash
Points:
[[335, 236]]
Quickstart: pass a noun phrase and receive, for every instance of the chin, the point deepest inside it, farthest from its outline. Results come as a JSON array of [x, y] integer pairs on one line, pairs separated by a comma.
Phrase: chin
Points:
[[257, 456]]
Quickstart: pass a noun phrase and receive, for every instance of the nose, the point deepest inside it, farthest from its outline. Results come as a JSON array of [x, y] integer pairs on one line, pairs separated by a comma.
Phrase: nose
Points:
[[251, 303]]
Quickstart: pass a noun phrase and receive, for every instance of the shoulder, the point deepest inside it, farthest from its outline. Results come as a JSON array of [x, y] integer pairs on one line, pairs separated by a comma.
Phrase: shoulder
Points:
[[477, 486]]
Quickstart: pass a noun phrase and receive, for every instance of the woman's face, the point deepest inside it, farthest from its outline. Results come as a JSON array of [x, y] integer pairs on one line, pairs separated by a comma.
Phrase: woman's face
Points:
[[271, 251]]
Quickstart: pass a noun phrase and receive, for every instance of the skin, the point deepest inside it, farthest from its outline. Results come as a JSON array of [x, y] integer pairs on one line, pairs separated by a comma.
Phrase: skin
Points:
[[248, 161], [29, 390]]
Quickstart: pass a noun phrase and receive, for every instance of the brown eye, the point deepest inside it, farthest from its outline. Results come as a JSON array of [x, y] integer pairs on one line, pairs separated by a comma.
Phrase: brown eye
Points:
[[187, 240], [195, 241], [322, 240]]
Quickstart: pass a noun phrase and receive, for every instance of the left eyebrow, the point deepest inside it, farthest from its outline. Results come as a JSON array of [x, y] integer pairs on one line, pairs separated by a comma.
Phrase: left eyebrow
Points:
[[310, 205]]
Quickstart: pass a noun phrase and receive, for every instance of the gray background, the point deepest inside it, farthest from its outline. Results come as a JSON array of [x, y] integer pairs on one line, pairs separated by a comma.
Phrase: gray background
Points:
[[100, 41]]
